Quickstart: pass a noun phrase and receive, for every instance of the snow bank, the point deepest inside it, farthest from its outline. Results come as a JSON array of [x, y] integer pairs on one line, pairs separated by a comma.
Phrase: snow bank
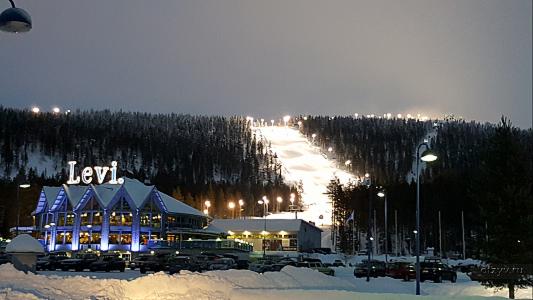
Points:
[[291, 283], [24, 244]]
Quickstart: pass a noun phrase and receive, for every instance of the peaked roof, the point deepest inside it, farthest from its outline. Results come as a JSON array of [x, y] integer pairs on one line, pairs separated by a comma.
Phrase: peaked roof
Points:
[[106, 192], [137, 190], [75, 193], [176, 206], [51, 192]]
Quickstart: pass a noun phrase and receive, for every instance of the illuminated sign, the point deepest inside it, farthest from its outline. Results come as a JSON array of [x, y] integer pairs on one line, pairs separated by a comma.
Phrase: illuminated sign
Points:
[[87, 174]]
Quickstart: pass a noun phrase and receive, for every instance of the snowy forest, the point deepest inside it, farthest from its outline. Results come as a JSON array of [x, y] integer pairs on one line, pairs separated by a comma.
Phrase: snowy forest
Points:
[[192, 158], [483, 171]]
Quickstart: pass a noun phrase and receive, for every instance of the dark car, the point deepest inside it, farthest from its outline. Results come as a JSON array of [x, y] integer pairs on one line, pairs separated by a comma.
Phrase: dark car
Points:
[[136, 262], [175, 264], [377, 268], [437, 272], [52, 261], [401, 270], [156, 263], [108, 262], [338, 263], [4, 258], [79, 263]]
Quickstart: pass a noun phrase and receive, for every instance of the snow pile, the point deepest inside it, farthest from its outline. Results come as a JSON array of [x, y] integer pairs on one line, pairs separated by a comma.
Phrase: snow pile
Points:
[[24, 243], [291, 283], [304, 163]]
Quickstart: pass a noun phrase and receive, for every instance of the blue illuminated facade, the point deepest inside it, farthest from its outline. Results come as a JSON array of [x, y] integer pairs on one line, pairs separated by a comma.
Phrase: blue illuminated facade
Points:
[[128, 217]]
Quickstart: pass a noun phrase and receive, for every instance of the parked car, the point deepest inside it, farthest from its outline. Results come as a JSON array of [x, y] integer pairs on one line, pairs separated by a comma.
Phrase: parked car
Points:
[[316, 266], [155, 262], [79, 263], [377, 269], [261, 266], [224, 263], [108, 262], [205, 259], [51, 261], [177, 263], [242, 264], [136, 262], [4, 258], [338, 263], [401, 270], [436, 272]]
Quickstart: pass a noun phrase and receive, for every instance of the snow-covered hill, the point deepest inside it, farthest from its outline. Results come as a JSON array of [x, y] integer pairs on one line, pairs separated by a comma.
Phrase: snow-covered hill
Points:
[[303, 162]]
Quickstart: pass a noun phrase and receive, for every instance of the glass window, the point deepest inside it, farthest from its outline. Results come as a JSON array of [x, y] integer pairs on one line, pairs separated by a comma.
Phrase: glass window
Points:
[[59, 237], [114, 237], [95, 238], [70, 219], [84, 237], [144, 238]]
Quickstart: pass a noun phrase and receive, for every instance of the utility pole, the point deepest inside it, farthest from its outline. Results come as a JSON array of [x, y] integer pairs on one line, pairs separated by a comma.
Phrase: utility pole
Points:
[[440, 236], [463, 229], [396, 232], [376, 240]]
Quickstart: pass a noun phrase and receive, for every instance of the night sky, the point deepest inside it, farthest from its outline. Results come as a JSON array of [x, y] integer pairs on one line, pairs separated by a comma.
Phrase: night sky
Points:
[[270, 58]]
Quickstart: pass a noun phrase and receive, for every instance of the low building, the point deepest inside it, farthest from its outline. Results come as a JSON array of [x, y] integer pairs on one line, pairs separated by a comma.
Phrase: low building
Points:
[[274, 234], [130, 216]]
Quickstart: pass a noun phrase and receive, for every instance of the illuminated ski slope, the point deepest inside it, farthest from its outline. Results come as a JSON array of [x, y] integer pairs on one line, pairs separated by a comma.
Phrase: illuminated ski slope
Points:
[[303, 162]]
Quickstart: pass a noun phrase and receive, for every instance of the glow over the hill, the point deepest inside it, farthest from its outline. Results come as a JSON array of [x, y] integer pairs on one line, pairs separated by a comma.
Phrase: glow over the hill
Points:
[[301, 161]]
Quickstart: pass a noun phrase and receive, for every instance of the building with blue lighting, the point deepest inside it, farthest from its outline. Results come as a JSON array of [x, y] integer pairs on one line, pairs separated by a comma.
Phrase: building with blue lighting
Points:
[[130, 217]]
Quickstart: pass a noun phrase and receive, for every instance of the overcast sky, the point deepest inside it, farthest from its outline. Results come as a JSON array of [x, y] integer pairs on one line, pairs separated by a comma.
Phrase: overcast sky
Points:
[[273, 57]]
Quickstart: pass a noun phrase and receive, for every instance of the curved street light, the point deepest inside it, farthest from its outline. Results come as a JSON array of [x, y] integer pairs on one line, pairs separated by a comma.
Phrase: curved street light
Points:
[[426, 156], [15, 19]]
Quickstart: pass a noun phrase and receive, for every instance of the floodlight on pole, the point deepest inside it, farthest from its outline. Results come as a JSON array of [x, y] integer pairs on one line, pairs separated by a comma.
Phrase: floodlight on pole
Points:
[[56, 110], [427, 156], [35, 110], [15, 19], [286, 119]]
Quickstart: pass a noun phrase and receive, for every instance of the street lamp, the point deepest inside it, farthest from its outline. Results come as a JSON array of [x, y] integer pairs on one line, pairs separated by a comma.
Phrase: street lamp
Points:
[[19, 186], [279, 200], [231, 206], [15, 19], [207, 204], [56, 110], [286, 120], [241, 204], [368, 182], [35, 110], [383, 195], [427, 156], [264, 202]]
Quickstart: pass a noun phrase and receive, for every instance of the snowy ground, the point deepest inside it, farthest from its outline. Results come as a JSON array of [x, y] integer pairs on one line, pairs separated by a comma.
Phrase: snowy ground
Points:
[[291, 283], [303, 162]]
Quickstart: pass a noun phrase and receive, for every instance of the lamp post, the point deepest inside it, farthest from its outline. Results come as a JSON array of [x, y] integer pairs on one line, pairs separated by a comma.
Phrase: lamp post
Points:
[[279, 200], [293, 207], [15, 19], [286, 120], [231, 206], [383, 195], [264, 202], [367, 181], [426, 156], [19, 186], [207, 204], [241, 204]]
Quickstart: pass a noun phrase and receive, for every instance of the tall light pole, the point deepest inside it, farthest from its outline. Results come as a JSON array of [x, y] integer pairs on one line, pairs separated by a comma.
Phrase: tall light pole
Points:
[[367, 181], [383, 195], [279, 200], [19, 186], [207, 204], [264, 202], [15, 20], [231, 206], [241, 204], [286, 120], [293, 207], [427, 156]]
